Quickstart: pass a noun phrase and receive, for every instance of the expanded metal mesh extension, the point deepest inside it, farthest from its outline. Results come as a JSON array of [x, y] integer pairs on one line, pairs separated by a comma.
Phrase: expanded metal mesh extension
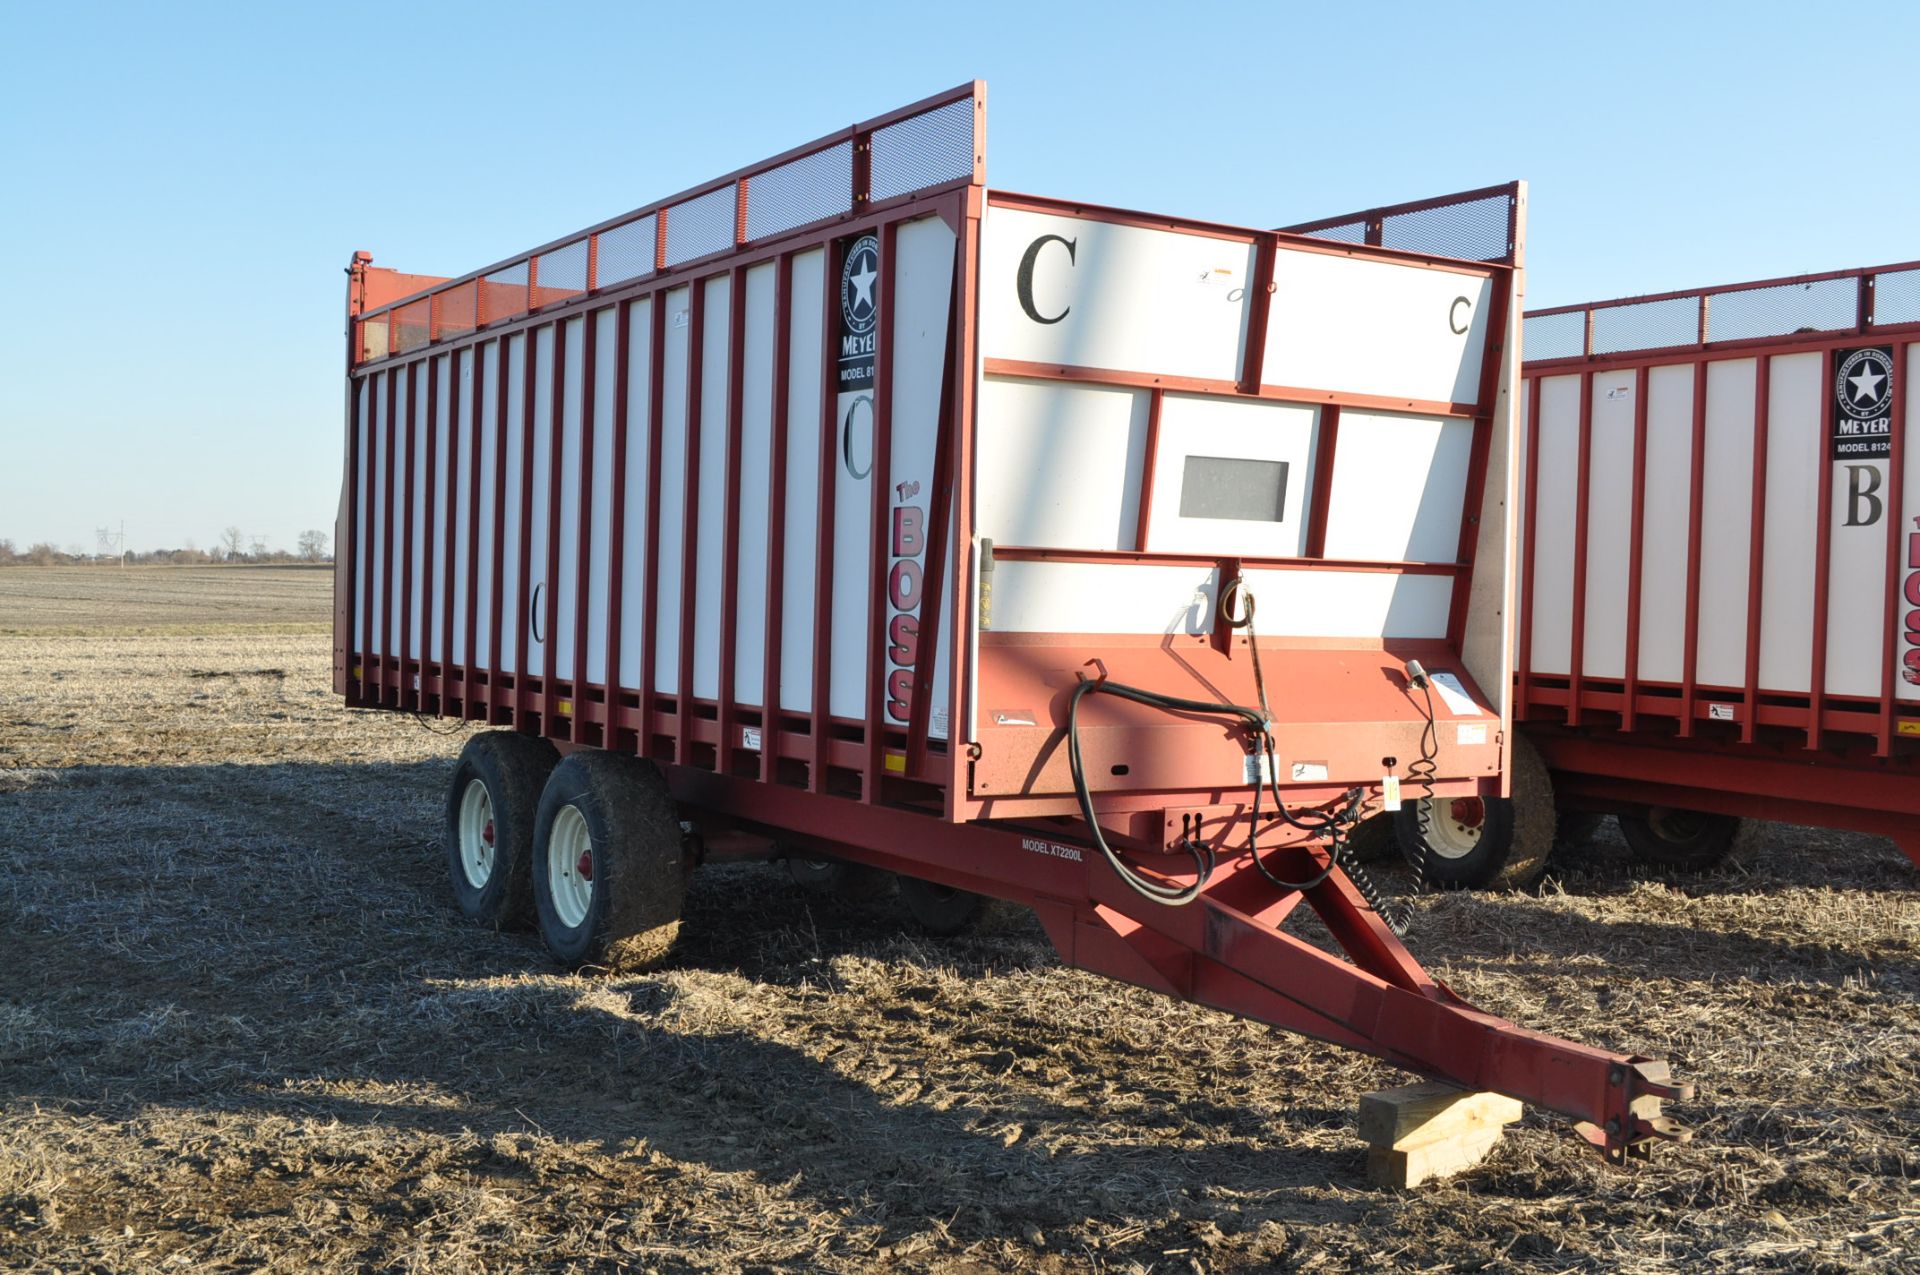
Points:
[[800, 192], [560, 275], [1896, 296], [626, 251], [1846, 301], [503, 294], [935, 147], [1476, 225], [1476, 230], [701, 226], [924, 150]]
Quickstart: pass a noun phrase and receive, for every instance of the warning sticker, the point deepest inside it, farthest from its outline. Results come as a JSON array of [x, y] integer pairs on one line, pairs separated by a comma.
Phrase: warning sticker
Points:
[[1458, 702]]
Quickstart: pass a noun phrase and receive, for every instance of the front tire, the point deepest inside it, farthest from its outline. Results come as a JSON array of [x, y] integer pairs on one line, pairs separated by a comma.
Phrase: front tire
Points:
[[609, 871], [1685, 840], [493, 800], [1495, 843]]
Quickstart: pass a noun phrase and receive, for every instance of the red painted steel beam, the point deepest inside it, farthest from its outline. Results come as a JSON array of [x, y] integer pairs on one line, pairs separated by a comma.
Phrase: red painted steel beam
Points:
[[617, 524], [879, 554], [523, 598], [1890, 623], [938, 541], [656, 428], [777, 516], [550, 716], [468, 697], [690, 519], [1326, 448], [583, 713], [730, 530], [824, 517], [497, 599], [1150, 457]]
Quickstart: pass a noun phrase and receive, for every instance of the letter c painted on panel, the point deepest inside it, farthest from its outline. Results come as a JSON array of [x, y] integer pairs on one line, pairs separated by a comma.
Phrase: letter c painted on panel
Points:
[[1024, 283]]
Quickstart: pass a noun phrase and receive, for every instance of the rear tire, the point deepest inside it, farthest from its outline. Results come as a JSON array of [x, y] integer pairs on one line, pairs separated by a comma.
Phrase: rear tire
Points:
[[837, 878], [609, 870], [941, 909], [493, 800], [1685, 840], [1495, 843]]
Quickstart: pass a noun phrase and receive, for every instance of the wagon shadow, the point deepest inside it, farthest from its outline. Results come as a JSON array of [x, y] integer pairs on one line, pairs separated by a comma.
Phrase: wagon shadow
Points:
[[342, 986]]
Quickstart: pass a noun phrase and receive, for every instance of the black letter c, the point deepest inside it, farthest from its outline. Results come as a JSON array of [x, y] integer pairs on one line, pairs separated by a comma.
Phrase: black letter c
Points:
[[1025, 282], [1453, 316]]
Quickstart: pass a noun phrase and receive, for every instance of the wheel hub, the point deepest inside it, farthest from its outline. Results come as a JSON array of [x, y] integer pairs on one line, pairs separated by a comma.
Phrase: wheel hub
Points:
[[585, 865]]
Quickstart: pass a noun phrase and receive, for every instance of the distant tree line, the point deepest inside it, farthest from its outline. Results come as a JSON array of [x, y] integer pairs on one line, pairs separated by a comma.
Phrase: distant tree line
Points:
[[234, 546]]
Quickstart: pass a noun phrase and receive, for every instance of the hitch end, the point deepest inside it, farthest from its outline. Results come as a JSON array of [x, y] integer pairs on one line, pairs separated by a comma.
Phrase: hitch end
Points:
[[1636, 1123]]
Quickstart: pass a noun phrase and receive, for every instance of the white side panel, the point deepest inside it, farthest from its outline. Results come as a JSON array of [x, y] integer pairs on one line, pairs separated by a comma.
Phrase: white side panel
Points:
[[1609, 524], [1553, 523], [1068, 290], [511, 610], [673, 494], [599, 540], [1857, 573], [440, 553], [415, 542], [756, 448], [566, 585], [633, 565], [1795, 469], [1726, 524], [1399, 484], [1195, 426], [1663, 531], [397, 534], [710, 530], [362, 540], [799, 541], [1907, 686], [922, 299], [1374, 327], [1059, 597], [378, 633], [487, 370], [1357, 604], [534, 609], [463, 503], [1057, 464]]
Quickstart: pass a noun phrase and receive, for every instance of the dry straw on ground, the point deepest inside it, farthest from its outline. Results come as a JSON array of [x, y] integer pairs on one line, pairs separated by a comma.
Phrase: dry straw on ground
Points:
[[243, 1028]]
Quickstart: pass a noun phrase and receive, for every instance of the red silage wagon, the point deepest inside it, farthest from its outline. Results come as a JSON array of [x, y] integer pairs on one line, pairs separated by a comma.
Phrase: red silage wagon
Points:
[[1109, 563], [1720, 599]]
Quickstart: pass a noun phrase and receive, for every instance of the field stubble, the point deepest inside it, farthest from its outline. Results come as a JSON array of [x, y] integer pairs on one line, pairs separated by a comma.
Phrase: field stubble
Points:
[[242, 1027]]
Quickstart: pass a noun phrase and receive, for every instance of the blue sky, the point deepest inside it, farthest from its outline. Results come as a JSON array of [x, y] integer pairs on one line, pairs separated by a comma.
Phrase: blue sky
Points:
[[181, 185]]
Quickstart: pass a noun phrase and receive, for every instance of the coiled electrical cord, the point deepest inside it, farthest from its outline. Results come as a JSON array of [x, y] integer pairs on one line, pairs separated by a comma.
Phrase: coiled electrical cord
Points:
[[1422, 773], [1328, 824]]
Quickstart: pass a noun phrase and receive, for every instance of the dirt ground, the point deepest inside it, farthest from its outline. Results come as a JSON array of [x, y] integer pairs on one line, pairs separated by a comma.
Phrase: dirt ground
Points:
[[243, 1027]]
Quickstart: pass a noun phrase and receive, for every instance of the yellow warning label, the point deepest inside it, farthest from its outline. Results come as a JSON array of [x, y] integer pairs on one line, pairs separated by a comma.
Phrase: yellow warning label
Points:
[[897, 763], [565, 708], [1910, 726]]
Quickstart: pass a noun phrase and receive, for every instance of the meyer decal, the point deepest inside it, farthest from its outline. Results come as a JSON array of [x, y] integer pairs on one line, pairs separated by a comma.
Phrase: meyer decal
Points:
[[1863, 403], [859, 312]]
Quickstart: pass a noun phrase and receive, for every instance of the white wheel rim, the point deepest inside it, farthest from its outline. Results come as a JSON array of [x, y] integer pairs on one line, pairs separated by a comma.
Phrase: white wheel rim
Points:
[[1454, 826], [570, 866], [476, 834]]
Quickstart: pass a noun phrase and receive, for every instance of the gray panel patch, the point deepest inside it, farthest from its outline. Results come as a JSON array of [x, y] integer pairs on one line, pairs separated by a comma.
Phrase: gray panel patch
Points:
[[1233, 488]]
